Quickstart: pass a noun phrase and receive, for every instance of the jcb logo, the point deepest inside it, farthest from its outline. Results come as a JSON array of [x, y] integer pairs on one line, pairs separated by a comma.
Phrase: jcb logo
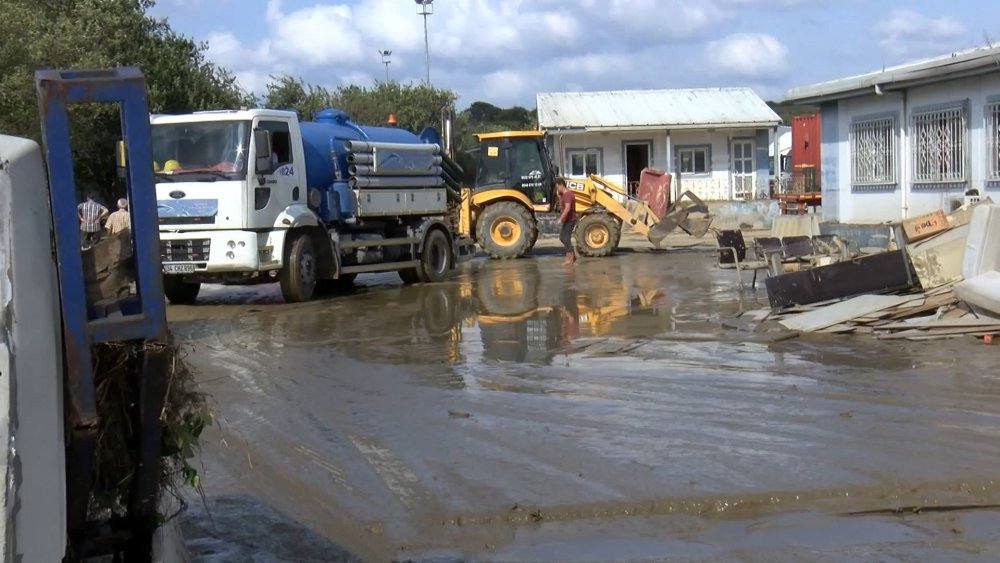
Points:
[[574, 185]]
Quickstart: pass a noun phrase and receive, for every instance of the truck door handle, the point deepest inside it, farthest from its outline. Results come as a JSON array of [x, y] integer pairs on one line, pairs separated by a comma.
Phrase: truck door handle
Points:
[[295, 193]]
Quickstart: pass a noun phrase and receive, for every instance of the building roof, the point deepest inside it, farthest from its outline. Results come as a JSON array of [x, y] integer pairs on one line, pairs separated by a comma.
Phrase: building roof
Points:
[[654, 109], [961, 64]]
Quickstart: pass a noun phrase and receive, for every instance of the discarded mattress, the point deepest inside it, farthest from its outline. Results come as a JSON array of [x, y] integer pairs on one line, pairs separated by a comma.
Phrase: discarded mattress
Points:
[[982, 247], [981, 292]]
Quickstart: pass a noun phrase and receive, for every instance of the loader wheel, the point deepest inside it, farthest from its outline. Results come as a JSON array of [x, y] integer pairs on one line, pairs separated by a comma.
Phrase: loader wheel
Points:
[[180, 292], [298, 276], [597, 234], [506, 230]]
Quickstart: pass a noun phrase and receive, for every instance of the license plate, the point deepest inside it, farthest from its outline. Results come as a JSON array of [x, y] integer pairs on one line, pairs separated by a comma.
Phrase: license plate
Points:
[[178, 268]]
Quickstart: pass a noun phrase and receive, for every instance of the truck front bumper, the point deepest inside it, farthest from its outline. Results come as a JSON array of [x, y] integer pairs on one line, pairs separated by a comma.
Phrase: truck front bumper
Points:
[[217, 252]]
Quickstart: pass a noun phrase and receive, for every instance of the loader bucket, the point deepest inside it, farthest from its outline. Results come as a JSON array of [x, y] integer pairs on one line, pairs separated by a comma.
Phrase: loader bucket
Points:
[[679, 215]]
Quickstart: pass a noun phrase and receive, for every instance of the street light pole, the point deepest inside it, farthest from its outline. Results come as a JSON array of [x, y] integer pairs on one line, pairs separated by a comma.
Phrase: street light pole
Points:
[[385, 60], [426, 8]]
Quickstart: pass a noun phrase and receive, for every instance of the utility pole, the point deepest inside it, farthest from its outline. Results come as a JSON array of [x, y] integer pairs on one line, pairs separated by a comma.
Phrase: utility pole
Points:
[[385, 60], [426, 8]]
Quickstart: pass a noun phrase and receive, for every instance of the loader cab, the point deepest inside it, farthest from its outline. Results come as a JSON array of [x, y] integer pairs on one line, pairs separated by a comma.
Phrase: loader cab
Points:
[[516, 160]]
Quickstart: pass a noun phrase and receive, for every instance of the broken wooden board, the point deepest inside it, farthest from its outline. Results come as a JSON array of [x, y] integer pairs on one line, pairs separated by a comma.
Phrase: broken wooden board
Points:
[[842, 312], [937, 261], [876, 273]]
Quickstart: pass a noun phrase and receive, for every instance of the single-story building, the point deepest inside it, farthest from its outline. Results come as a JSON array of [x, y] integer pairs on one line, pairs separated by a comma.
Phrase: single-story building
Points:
[[714, 141], [910, 139]]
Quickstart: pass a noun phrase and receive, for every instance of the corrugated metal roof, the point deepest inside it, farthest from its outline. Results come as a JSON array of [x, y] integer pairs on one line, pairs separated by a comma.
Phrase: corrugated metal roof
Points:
[[971, 62], [674, 109]]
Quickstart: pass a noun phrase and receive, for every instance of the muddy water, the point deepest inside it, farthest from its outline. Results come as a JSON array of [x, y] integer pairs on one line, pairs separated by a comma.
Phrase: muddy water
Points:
[[617, 410]]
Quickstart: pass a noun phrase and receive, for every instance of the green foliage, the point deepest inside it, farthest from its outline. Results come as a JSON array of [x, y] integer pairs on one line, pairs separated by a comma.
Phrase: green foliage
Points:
[[90, 34], [415, 105]]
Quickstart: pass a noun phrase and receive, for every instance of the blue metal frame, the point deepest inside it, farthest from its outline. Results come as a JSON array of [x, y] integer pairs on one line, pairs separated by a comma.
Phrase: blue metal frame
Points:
[[144, 315]]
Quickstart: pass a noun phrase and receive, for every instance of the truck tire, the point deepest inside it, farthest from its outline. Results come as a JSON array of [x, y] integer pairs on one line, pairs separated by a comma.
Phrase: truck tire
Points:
[[506, 230], [180, 292], [435, 258], [298, 277], [409, 276], [343, 284], [596, 234]]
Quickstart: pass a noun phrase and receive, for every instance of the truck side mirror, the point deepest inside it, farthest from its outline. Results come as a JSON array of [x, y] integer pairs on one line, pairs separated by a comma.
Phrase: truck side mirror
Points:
[[262, 148]]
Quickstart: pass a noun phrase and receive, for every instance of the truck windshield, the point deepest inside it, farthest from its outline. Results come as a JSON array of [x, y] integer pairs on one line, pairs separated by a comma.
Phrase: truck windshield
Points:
[[205, 151]]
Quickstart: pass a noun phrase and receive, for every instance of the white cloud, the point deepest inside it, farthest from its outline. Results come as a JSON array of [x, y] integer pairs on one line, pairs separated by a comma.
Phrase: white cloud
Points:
[[747, 55], [908, 33]]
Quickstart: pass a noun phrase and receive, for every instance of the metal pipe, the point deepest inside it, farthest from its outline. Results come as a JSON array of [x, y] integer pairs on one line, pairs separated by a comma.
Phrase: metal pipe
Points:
[[369, 170], [360, 158], [369, 146], [395, 181]]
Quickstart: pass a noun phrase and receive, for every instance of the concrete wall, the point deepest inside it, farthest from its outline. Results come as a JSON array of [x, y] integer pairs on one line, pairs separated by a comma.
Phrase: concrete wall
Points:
[[31, 395], [846, 203], [717, 185]]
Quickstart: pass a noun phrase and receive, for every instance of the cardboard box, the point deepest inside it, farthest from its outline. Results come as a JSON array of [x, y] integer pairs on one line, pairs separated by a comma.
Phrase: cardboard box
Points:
[[919, 228]]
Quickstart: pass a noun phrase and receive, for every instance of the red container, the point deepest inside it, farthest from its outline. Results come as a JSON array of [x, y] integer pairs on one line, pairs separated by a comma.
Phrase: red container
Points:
[[805, 153], [654, 189]]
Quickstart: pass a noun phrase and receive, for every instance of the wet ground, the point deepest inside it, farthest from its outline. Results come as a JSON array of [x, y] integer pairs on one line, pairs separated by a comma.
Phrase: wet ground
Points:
[[616, 410]]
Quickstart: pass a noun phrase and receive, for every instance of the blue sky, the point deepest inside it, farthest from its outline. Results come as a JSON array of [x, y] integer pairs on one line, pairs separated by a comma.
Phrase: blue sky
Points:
[[504, 51]]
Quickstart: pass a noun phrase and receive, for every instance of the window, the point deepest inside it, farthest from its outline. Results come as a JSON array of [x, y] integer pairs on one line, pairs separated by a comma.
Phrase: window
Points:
[[873, 152], [281, 140], [583, 162], [693, 160], [939, 145], [201, 149], [993, 141]]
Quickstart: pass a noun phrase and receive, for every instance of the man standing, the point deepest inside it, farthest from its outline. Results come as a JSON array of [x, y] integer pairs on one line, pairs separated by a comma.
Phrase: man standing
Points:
[[567, 218], [90, 213], [119, 220]]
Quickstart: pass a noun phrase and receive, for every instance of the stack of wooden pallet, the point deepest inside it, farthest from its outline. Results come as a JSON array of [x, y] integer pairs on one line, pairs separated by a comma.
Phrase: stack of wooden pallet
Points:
[[914, 316]]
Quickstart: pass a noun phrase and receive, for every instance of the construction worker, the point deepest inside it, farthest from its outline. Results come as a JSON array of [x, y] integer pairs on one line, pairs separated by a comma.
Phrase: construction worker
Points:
[[567, 220], [119, 220], [90, 213]]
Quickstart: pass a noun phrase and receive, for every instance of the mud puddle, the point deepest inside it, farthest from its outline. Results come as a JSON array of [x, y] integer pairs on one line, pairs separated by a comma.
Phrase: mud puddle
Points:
[[525, 411]]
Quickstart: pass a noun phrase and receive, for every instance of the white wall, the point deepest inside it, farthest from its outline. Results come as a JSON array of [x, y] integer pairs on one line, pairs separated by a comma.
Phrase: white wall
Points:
[[31, 400], [906, 200], [717, 185]]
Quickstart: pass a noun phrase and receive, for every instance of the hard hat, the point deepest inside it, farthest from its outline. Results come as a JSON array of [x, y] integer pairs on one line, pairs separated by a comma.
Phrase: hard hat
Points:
[[171, 165]]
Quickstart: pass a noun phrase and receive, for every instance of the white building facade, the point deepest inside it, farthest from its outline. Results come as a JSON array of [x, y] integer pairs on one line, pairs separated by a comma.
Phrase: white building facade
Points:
[[714, 141], [908, 140]]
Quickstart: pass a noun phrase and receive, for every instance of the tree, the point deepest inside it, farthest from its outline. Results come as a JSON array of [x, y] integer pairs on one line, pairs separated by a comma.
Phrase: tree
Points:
[[92, 34], [287, 92]]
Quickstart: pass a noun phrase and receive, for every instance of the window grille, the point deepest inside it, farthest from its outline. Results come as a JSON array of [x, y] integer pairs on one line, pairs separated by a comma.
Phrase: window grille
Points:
[[873, 152], [993, 141], [939, 146]]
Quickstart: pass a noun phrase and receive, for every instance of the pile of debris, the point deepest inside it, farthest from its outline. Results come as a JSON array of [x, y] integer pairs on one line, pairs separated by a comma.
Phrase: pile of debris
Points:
[[941, 280]]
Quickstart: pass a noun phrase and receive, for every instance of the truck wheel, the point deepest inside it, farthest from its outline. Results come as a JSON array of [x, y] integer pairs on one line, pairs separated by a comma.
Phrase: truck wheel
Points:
[[506, 230], [435, 259], [180, 292], [298, 277], [409, 276], [343, 284], [596, 234]]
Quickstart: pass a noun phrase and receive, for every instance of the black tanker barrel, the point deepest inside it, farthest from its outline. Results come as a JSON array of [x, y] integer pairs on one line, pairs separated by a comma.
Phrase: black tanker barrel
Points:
[[451, 167], [369, 170], [395, 181]]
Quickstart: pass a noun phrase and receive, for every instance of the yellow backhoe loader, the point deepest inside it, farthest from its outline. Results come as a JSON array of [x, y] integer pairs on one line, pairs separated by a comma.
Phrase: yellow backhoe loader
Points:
[[514, 189]]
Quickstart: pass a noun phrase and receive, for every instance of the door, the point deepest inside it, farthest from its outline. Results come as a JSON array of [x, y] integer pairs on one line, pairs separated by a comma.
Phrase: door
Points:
[[743, 169], [272, 193], [636, 158]]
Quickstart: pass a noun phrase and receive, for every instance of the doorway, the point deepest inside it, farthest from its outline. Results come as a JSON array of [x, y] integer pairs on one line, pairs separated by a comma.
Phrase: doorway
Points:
[[637, 155], [743, 169]]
